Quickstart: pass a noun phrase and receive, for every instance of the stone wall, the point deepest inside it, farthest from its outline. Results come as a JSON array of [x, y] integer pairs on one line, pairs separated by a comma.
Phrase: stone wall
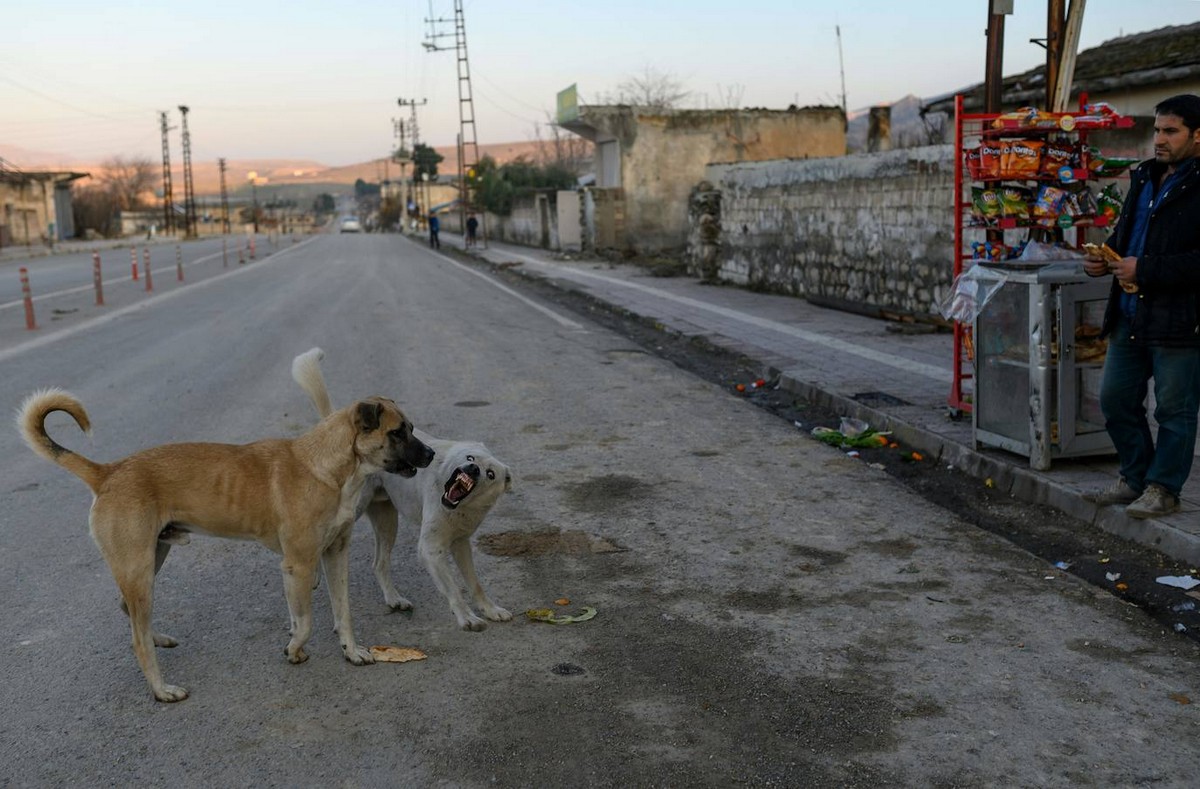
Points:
[[870, 232], [532, 223]]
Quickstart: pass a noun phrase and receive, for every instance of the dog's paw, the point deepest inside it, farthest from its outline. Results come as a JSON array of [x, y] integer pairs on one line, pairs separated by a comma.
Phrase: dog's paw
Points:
[[359, 656], [497, 614], [164, 640], [295, 656], [170, 693], [473, 624], [397, 603]]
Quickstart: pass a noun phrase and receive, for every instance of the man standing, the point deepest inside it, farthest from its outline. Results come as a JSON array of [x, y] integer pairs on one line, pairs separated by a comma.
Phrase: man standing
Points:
[[472, 229], [434, 226], [1154, 331]]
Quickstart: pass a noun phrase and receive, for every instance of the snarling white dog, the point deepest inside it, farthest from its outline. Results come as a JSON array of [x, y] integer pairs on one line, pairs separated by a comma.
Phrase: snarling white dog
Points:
[[449, 499]]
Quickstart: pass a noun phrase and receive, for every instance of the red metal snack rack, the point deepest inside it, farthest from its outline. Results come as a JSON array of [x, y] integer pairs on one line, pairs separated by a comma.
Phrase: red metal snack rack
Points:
[[970, 129]]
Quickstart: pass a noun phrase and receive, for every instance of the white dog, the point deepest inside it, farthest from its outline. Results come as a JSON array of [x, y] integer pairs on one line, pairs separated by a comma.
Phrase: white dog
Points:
[[449, 499]]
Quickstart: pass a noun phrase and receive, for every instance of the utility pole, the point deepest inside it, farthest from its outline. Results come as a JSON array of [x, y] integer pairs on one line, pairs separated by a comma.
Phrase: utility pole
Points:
[[468, 161], [168, 199], [401, 156], [189, 194], [1056, 18], [224, 199], [415, 133], [993, 80]]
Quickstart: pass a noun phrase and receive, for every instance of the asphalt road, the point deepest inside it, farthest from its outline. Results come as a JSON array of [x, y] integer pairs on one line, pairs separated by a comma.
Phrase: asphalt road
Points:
[[770, 612]]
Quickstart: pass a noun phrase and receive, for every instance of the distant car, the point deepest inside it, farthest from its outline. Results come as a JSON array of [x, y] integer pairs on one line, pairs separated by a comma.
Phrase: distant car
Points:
[[351, 226]]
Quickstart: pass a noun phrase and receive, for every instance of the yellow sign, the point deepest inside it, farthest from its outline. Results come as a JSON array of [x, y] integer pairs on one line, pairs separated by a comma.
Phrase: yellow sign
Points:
[[568, 105]]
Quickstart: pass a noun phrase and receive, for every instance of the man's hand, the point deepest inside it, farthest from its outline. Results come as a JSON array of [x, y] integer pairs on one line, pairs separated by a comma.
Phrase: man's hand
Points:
[[1094, 265], [1125, 270]]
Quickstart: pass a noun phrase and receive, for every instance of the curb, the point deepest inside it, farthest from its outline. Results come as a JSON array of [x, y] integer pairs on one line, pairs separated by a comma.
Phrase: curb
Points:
[[1020, 483]]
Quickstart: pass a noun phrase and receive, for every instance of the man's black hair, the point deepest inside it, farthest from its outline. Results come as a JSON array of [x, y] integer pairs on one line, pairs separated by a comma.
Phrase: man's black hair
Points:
[[1185, 106]]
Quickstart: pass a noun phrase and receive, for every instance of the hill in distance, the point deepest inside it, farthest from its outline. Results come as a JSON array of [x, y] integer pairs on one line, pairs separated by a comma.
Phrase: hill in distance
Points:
[[270, 173]]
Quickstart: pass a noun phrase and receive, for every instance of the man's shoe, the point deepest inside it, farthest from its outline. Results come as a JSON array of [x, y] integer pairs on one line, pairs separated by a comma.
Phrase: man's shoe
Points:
[[1154, 503], [1117, 493]]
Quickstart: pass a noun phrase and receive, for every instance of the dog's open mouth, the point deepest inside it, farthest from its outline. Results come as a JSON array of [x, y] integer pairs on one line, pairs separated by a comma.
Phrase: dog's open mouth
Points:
[[401, 468], [460, 485]]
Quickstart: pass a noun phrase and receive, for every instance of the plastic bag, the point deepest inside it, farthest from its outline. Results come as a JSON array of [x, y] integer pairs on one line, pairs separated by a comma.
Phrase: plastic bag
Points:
[[969, 294], [1036, 251]]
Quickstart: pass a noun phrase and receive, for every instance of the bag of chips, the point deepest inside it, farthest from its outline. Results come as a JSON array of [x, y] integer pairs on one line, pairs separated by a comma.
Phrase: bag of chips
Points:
[[1108, 204], [1055, 156], [1014, 202], [989, 160], [985, 205], [1023, 158], [1048, 204]]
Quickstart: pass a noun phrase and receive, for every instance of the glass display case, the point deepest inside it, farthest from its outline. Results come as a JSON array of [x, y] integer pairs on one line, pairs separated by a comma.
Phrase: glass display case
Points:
[[1038, 362]]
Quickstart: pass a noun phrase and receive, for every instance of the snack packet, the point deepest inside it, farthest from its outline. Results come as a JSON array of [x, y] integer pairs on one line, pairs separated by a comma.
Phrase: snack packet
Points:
[[1048, 204], [1055, 156], [1023, 160], [1014, 202], [985, 204]]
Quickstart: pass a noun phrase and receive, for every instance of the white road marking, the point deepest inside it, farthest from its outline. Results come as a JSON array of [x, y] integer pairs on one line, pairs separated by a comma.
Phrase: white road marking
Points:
[[562, 320], [47, 339]]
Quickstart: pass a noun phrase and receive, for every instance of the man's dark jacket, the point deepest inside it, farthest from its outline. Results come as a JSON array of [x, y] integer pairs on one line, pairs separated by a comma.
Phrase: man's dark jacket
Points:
[[1168, 270]]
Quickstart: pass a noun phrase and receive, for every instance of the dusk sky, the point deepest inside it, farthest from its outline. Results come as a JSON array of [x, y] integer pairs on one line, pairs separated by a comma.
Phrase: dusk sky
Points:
[[319, 81]]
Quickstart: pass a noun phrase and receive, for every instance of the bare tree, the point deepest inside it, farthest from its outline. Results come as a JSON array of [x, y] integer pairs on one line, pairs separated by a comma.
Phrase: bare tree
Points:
[[652, 89], [564, 150], [729, 97], [128, 180]]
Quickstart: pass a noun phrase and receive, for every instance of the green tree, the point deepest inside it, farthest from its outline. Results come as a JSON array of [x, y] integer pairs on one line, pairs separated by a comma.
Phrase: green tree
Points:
[[324, 204], [497, 186], [425, 160], [364, 189]]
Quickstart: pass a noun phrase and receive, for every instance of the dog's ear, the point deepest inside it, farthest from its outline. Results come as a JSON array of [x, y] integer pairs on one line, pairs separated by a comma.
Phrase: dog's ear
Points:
[[368, 415]]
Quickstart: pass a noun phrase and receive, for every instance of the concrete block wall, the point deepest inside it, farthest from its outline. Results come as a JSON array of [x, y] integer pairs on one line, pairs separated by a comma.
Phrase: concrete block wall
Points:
[[528, 224], [870, 231]]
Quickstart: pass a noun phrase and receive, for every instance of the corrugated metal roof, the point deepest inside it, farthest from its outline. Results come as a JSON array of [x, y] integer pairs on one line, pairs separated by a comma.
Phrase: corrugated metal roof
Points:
[[1155, 56]]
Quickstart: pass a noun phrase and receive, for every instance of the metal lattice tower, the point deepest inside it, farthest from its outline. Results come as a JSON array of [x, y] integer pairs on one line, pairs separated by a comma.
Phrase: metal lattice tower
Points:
[[189, 194], [168, 198], [224, 199], [468, 160]]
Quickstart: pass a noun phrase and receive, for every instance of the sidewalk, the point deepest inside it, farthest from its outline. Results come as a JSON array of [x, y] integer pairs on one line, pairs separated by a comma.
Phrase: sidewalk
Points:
[[860, 367]]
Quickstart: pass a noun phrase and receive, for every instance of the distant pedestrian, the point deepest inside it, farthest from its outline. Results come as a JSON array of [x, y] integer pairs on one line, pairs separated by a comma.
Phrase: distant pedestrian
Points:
[[434, 227], [1152, 322], [472, 227]]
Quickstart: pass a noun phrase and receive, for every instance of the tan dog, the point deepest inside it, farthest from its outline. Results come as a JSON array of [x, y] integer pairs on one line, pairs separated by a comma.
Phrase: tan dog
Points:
[[448, 500], [293, 496]]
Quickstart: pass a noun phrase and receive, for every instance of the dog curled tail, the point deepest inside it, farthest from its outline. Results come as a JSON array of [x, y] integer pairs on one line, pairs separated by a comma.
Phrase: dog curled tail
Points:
[[31, 421], [306, 370]]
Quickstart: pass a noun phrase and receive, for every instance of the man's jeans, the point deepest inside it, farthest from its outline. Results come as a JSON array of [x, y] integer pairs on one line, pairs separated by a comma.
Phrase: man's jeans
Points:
[[1176, 373]]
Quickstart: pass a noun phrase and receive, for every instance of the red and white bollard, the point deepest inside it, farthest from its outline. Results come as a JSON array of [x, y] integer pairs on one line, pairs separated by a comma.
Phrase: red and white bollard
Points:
[[179, 262], [252, 247], [133, 262], [30, 323], [96, 279], [146, 263]]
